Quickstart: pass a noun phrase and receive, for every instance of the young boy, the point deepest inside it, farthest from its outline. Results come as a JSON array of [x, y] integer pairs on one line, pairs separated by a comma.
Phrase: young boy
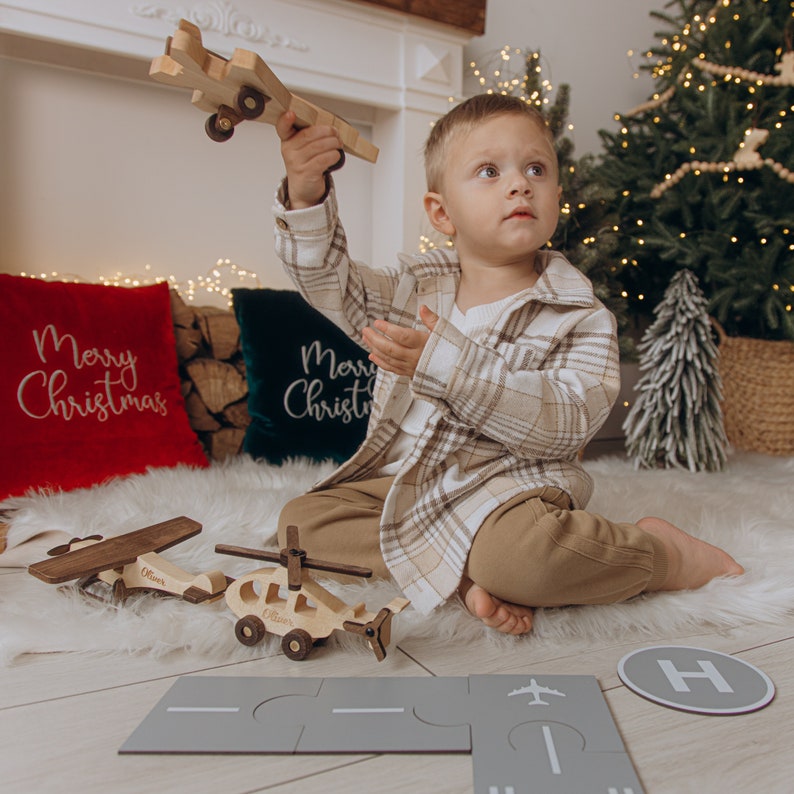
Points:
[[497, 364]]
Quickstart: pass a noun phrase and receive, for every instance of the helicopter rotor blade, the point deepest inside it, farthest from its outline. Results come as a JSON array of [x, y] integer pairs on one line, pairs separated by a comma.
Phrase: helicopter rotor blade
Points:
[[292, 554], [293, 538], [251, 554], [336, 567]]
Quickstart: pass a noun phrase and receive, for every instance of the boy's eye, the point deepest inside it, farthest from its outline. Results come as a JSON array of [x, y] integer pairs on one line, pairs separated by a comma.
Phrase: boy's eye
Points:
[[487, 172], [535, 170]]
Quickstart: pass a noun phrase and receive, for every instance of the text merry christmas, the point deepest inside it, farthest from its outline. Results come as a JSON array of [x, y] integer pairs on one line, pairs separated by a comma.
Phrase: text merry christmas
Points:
[[307, 397], [72, 381]]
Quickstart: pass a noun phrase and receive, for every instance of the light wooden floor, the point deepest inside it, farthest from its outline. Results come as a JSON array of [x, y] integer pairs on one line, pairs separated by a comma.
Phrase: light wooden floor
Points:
[[64, 716]]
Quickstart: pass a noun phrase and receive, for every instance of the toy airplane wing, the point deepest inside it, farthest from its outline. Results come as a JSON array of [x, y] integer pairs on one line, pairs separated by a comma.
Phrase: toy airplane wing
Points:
[[114, 552], [241, 88]]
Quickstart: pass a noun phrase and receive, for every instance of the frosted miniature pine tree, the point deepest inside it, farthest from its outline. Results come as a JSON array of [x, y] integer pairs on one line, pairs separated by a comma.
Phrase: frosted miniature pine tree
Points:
[[676, 420]]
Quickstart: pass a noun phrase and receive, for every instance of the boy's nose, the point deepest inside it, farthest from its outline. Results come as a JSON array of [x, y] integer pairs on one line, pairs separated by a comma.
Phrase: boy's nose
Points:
[[520, 186]]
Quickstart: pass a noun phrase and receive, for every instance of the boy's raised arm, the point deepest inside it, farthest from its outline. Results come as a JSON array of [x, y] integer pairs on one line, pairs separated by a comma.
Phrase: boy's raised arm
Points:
[[308, 155]]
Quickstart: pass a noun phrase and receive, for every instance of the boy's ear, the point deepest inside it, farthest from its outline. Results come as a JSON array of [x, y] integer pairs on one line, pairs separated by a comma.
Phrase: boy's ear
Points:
[[437, 214]]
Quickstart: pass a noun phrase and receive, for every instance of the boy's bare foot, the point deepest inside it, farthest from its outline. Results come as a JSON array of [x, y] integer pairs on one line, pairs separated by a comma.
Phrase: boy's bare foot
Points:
[[495, 613], [692, 562]]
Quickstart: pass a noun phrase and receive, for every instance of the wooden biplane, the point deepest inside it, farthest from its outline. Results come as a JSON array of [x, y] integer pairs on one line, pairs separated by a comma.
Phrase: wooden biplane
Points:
[[131, 562], [242, 88], [289, 603]]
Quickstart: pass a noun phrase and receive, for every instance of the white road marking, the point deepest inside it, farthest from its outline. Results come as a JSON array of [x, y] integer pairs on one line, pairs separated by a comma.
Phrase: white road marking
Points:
[[551, 750], [204, 709], [369, 711]]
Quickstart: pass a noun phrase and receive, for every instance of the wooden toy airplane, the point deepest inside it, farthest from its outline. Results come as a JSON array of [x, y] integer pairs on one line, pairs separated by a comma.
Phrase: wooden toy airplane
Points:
[[131, 562], [241, 88], [287, 602]]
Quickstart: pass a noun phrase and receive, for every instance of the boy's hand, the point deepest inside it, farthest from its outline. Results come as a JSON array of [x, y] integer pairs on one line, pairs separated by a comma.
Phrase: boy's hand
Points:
[[308, 154], [397, 349]]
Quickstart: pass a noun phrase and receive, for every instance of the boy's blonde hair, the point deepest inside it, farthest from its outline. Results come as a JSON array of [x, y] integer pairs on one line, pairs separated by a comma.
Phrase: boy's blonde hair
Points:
[[463, 118]]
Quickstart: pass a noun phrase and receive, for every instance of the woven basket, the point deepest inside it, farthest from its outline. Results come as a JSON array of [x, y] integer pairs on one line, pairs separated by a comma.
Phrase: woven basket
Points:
[[758, 393]]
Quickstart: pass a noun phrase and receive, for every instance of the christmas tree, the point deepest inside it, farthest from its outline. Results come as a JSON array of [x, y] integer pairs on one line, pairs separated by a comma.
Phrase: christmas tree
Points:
[[699, 177], [676, 420]]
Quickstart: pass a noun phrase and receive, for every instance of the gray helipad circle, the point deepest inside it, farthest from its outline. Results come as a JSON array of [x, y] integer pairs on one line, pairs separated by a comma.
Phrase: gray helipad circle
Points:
[[696, 679]]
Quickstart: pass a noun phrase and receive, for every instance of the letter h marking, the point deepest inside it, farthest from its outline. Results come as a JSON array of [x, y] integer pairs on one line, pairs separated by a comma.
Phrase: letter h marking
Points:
[[708, 670]]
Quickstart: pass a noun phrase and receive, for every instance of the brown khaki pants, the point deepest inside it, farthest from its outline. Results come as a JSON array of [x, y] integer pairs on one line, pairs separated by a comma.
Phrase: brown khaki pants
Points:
[[533, 550]]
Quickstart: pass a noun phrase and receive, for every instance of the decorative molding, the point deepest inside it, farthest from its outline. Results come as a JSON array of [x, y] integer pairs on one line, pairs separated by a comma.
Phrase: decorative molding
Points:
[[220, 16], [433, 63]]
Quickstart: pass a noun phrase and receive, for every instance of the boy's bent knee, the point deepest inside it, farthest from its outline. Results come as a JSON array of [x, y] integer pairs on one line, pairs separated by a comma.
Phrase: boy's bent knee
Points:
[[564, 558], [509, 576]]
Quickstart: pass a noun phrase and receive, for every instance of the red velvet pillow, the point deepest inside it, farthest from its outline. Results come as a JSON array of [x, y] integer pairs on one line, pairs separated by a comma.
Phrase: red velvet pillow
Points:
[[89, 386]]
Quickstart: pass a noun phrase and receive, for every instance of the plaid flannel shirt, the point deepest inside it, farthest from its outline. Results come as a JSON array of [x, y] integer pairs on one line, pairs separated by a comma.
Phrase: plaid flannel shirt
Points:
[[516, 404]]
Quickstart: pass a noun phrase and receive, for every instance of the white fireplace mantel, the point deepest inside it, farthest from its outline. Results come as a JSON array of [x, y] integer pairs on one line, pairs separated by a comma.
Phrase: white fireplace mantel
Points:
[[395, 72]]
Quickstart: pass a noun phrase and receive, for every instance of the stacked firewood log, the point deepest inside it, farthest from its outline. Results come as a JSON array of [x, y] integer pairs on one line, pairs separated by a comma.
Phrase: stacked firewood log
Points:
[[212, 372]]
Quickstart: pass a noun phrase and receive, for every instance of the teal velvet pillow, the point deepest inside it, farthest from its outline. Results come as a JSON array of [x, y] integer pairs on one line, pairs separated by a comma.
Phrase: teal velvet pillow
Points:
[[310, 386]]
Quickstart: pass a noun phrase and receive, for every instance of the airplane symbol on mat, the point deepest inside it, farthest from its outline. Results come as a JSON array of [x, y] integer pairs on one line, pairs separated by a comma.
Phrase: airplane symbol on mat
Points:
[[536, 690]]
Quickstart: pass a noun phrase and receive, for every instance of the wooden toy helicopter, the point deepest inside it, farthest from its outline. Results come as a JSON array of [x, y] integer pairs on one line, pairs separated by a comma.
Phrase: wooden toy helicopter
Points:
[[242, 88], [131, 562], [289, 603]]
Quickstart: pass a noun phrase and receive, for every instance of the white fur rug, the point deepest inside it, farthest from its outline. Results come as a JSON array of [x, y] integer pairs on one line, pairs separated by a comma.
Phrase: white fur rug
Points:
[[748, 510]]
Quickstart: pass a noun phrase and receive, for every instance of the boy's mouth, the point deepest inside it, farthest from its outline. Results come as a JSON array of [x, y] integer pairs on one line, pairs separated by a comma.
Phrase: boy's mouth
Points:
[[521, 212]]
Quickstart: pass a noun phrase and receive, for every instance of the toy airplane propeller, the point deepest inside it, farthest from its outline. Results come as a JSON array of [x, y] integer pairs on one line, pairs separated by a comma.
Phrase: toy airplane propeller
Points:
[[132, 562], [289, 603], [242, 88]]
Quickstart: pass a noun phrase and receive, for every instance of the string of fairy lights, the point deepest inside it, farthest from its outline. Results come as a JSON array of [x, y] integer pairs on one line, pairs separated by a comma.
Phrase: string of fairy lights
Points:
[[215, 286], [509, 71], [746, 156], [701, 74]]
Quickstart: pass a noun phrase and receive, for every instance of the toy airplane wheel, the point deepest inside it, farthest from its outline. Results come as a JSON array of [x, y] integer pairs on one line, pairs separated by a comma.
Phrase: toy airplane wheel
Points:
[[250, 102], [249, 630], [217, 130], [297, 645]]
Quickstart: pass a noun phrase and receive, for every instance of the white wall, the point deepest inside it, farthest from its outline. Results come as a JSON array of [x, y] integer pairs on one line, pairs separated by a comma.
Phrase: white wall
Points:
[[583, 43], [102, 174]]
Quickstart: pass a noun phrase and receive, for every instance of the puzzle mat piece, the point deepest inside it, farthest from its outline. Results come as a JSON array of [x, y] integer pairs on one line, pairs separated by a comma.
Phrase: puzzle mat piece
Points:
[[544, 734], [496, 703], [547, 757], [215, 714], [212, 714], [696, 679], [354, 715]]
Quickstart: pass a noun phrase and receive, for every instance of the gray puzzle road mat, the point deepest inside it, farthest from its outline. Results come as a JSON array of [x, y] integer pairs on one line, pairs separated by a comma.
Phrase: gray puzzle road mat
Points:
[[527, 734]]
